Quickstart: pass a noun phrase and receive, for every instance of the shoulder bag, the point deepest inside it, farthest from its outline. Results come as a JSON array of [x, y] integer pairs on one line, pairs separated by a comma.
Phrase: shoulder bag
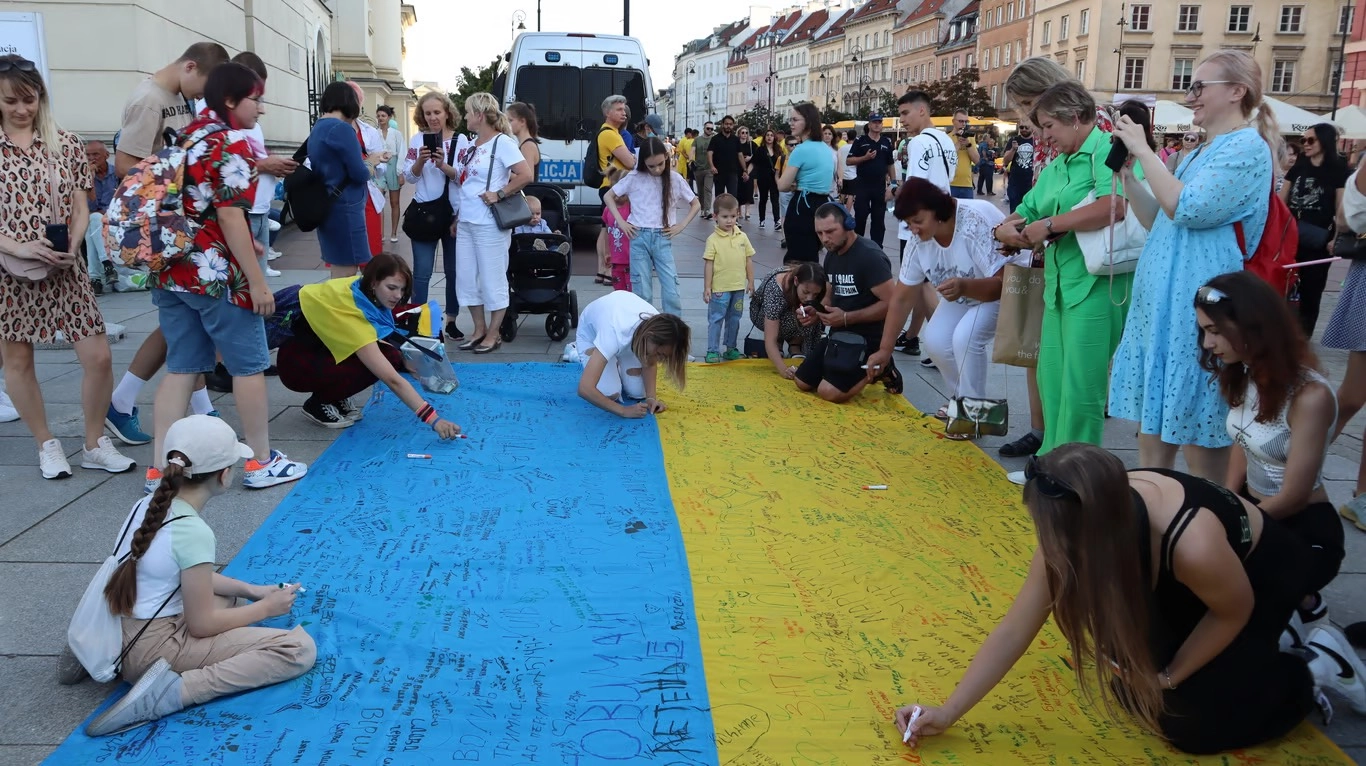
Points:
[[1116, 248], [310, 199], [430, 221], [511, 211], [28, 269], [1349, 245]]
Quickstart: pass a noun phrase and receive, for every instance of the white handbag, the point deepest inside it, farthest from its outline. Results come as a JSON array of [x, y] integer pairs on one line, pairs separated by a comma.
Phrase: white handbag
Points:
[[1114, 249]]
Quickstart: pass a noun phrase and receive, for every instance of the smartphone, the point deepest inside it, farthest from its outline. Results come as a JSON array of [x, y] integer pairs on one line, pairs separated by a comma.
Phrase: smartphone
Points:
[[60, 237], [1119, 154], [432, 141]]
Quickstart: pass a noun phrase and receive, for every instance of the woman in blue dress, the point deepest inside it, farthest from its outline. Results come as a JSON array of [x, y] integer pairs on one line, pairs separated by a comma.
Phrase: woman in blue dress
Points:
[[1156, 378]]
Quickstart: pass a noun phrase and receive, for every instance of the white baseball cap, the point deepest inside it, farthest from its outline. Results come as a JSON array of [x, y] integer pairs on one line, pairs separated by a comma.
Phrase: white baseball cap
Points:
[[209, 443]]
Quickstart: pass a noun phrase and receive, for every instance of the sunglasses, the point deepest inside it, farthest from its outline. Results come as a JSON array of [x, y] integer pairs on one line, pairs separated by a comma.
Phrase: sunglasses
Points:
[[1310, 141], [1210, 295], [1047, 485], [709, 129], [1190, 139], [1198, 87], [23, 65]]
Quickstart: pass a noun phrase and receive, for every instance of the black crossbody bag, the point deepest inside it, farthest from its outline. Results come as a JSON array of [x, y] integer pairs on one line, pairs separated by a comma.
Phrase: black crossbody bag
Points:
[[431, 221]]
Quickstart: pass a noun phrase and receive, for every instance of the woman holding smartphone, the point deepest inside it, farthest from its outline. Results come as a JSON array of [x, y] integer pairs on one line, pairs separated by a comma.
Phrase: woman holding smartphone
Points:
[[46, 226], [429, 167]]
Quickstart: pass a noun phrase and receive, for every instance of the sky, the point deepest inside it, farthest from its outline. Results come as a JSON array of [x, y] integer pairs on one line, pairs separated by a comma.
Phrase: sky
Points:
[[453, 33]]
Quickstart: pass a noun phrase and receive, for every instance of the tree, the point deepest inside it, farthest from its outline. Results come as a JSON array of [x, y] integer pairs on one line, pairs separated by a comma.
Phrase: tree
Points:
[[761, 119], [471, 82], [830, 115], [960, 91]]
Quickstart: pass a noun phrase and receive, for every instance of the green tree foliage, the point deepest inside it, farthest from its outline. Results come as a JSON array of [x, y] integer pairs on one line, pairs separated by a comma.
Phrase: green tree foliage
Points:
[[472, 81], [960, 91], [830, 115], [760, 119]]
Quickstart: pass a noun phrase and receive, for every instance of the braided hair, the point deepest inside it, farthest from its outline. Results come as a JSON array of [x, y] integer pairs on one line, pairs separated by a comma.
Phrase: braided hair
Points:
[[121, 592]]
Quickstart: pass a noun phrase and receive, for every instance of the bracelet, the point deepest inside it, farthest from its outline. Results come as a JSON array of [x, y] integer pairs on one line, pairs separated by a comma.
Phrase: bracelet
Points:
[[426, 413], [1167, 680]]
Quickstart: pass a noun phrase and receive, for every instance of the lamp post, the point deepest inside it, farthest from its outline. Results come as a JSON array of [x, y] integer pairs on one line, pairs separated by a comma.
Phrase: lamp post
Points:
[[518, 22], [538, 15], [1119, 51], [687, 105], [1342, 70], [855, 51], [706, 101]]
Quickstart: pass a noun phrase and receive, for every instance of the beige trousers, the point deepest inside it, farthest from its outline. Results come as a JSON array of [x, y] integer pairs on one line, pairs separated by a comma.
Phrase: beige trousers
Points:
[[235, 661]]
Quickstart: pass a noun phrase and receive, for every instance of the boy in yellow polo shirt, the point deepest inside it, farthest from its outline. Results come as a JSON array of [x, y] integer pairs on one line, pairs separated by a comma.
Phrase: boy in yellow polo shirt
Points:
[[727, 277]]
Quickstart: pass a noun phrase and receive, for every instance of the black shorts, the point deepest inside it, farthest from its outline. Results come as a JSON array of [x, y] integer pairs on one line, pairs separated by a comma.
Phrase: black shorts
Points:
[[849, 188], [812, 370]]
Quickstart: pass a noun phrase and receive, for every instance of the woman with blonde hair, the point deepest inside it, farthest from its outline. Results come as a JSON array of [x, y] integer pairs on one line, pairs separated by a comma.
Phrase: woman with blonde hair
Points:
[[430, 218], [50, 165], [1192, 214], [490, 169]]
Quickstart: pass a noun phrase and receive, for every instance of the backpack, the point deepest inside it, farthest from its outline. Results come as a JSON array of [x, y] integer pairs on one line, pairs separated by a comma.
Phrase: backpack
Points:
[[593, 173], [280, 325], [310, 199], [1278, 246], [146, 226]]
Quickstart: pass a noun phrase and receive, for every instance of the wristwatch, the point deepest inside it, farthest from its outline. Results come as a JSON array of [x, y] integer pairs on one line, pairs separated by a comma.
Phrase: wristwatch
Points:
[[1048, 224], [501, 195]]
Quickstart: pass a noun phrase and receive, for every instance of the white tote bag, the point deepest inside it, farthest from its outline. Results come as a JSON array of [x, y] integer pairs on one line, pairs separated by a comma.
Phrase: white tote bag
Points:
[[1114, 249]]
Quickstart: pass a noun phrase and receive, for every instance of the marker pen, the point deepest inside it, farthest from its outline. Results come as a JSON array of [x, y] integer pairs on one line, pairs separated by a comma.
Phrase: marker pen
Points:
[[915, 716], [419, 456], [874, 486], [301, 588]]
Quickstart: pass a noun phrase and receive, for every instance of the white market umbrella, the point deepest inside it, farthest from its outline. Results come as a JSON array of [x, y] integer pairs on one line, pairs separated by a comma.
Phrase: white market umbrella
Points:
[[1292, 119], [1171, 117], [1351, 122]]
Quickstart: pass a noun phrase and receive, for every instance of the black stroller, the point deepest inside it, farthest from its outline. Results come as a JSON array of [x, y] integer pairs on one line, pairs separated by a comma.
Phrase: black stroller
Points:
[[538, 270]]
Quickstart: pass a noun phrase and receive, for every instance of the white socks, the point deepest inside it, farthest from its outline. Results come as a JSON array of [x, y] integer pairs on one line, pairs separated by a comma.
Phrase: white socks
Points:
[[199, 402], [126, 393]]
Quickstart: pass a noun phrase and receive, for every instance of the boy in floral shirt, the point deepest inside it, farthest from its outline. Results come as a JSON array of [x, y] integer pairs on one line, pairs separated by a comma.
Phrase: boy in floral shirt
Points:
[[214, 302]]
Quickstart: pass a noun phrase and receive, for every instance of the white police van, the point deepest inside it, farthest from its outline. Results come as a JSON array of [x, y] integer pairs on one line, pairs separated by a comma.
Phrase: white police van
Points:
[[566, 76]]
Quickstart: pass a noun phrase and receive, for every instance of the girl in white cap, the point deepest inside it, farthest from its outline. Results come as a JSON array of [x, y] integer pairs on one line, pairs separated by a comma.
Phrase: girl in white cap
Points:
[[188, 626]]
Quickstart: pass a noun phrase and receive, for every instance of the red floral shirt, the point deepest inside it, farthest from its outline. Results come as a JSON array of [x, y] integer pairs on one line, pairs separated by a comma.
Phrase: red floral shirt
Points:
[[220, 172]]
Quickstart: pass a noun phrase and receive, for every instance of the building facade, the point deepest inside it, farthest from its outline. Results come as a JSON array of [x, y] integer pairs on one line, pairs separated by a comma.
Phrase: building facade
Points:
[[1354, 76], [825, 73], [98, 52], [958, 45], [1004, 38], [868, 51]]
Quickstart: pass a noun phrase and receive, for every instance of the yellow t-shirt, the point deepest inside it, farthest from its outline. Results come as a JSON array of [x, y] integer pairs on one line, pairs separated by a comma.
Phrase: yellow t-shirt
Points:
[[684, 145], [729, 253], [609, 138], [963, 177]]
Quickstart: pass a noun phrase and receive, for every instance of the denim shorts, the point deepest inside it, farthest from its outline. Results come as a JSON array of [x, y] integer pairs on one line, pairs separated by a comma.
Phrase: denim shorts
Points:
[[196, 326]]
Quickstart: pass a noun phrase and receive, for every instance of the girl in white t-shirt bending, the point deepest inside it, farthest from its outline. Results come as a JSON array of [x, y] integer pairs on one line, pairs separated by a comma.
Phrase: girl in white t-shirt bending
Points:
[[953, 250], [190, 640], [621, 342]]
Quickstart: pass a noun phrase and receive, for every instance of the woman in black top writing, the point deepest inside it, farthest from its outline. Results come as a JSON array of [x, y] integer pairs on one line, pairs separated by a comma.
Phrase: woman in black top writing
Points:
[[1313, 190], [1172, 592]]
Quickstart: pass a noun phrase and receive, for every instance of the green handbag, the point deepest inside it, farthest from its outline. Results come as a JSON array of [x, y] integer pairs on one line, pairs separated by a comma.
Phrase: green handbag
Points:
[[977, 417]]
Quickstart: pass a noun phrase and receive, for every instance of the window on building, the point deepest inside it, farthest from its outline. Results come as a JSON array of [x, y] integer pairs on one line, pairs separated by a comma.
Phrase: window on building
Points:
[[1047, 32], [1084, 23], [1006, 57], [1188, 18], [995, 91], [943, 69], [1020, 8], [1345, 19], [955, 65], [1010, 14], [1239, 18], [999, 10], [1140, 18], [1063, 25], [1282, 76], [1292, 19], [1181, 73], [1135, 73], [1081, 69], [996, 55]]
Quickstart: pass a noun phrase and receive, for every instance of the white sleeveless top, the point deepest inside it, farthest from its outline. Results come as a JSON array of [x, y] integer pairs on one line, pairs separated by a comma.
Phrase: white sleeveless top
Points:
[[1267, 445]]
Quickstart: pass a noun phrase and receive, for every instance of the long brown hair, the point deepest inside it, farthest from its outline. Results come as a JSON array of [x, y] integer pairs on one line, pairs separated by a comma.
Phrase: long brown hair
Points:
[[664, 331], [121, 592], [653, 147], [526, 113], [1273, 348], [1087, 526], [380, 268]]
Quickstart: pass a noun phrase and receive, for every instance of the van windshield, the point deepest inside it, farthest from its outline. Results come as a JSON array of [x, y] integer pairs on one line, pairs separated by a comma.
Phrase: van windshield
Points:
[[568, 100]]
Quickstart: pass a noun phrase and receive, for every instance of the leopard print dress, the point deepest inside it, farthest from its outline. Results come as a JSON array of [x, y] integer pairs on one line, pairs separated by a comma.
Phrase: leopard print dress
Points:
[[33, 312]]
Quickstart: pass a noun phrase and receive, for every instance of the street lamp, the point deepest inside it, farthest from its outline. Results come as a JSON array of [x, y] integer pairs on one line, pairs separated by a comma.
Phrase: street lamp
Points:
[[706, 100], [687, 105], [518, 22]]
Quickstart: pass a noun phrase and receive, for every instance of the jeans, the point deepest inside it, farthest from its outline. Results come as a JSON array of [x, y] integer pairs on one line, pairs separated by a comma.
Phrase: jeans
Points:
[[197, 325], [274, 215], [725, 309], [95, 255], [424, 263], [871, 202], [986, 176], [260, 231], [652, 250], [961, 192]]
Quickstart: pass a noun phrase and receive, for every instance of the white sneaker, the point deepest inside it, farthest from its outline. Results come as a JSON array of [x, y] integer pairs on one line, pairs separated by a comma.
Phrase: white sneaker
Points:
[[106, 457], [272, 254], [52, 461], [272, 272], [155, 696], [273, 224], [1337, 667], [7, 412], [394, 238], [1016, 477], [278, 470]]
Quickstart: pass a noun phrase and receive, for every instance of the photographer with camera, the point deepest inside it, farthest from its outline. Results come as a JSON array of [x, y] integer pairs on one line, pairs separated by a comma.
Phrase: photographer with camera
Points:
[[961, 185]]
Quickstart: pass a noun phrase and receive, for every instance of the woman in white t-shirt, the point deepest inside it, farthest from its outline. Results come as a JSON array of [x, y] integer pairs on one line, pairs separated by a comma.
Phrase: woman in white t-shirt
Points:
[[432, 173], [953, 250], [621, 341], [187, 626], [848, 173], [491, 169]]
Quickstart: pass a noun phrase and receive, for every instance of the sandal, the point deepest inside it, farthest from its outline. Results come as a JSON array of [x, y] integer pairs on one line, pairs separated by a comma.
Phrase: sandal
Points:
[[497, 344], [603, 279], [470, 344], [943, 413]]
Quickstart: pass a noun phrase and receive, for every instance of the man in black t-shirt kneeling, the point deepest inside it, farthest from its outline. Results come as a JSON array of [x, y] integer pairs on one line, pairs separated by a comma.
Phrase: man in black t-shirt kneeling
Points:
[[852, 310]]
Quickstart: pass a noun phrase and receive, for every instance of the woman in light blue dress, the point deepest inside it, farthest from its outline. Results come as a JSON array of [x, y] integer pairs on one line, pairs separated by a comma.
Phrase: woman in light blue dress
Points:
[[1156, 377]]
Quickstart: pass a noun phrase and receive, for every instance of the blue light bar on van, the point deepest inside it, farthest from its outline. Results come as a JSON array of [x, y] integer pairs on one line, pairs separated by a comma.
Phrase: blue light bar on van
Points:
[[552, 56], [610, 59]]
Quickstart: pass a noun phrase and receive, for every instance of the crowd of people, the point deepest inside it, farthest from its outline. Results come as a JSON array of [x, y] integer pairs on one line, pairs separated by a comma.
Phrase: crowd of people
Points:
[[1193, 601]]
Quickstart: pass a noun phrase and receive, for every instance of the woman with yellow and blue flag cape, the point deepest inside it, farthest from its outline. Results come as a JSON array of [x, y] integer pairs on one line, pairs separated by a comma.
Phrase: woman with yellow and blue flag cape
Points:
[[343, 338]]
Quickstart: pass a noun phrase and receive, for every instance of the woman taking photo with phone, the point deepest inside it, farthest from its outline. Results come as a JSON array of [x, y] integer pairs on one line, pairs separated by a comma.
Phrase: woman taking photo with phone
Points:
[[56, 296], [430, 218]]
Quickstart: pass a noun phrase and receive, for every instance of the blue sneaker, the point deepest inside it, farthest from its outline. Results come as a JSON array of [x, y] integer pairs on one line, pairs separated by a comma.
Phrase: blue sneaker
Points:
[[126, 427], [214, 414]]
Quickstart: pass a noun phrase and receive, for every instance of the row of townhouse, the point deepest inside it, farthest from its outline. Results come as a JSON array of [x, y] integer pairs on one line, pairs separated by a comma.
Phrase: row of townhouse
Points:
[[848, 55]]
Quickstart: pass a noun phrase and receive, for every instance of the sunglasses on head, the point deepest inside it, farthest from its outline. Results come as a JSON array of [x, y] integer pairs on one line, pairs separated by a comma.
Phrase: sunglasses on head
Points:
[[1210, 295], [23, 65], [1047, 486]]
